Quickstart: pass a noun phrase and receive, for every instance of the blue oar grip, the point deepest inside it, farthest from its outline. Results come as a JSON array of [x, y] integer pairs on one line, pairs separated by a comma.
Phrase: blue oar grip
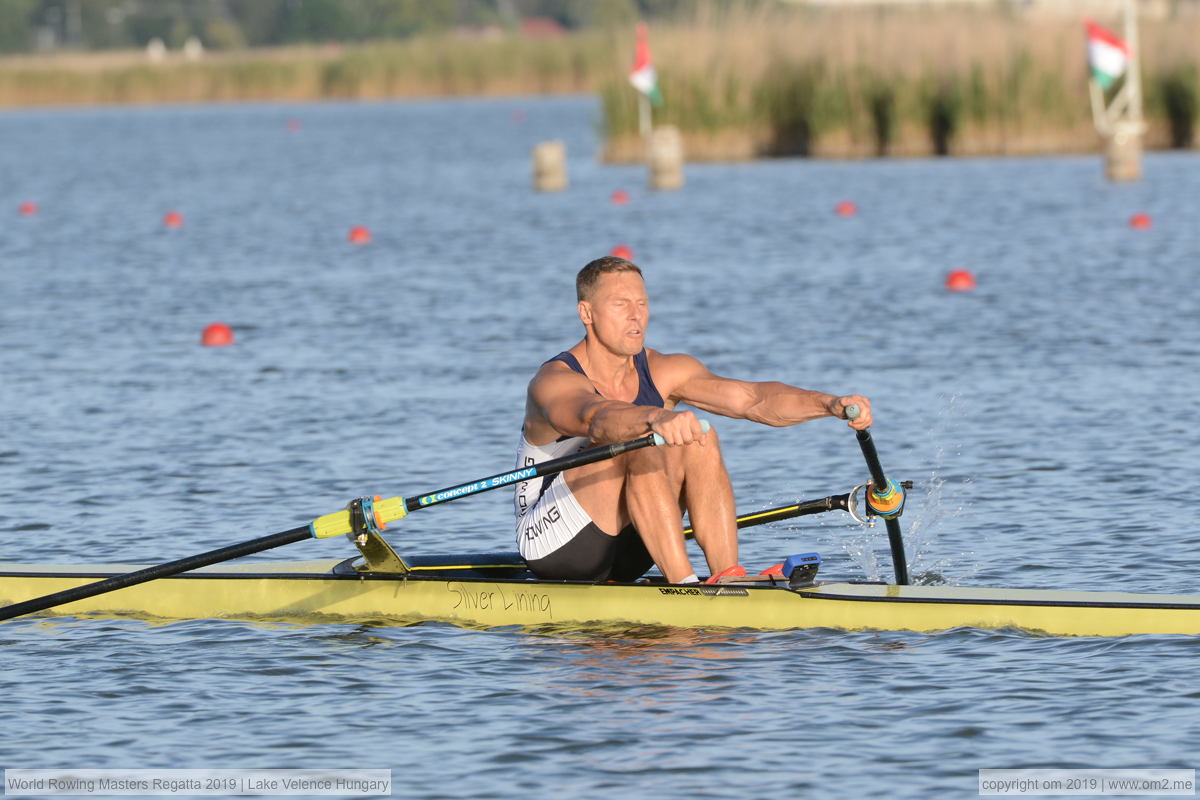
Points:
[[659, 441], [852, 412]]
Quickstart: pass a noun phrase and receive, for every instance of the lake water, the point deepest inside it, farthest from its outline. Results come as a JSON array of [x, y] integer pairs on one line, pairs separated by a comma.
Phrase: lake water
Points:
[[1047, 418]]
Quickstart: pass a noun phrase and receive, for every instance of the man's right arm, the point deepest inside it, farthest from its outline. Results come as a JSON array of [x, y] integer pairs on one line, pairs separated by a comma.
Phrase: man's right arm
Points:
[[568, 403]]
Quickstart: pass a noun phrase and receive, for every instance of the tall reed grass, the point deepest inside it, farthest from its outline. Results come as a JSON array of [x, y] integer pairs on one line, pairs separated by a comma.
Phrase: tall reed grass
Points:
[[422, 67], [861, 83], [740, 82]]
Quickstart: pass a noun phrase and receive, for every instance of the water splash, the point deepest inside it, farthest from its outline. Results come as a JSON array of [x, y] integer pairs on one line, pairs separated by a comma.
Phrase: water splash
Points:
[[933, 505], [942, 503]]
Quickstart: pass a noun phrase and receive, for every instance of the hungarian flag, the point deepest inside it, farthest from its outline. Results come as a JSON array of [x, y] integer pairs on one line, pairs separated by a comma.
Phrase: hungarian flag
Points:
[[1108, 56], [643, 77]]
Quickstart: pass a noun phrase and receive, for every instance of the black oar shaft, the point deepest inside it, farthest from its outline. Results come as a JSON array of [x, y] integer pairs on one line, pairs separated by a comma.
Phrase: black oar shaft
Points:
[[896, 542], [803, 508], [837, 502], [867, 444], [315, 529], [152, 573], [895, 537]]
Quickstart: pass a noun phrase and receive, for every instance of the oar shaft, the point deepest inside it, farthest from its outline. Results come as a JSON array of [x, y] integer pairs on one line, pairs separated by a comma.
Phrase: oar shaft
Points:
[[395, 508], [895, 537], [152, 573], [555, 466], [383, 511], [896, 543], [803, 508], [326, 526], [867, 445]]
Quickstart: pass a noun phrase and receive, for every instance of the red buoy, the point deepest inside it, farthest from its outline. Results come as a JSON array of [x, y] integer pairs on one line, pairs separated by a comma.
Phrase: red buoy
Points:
[[173, 219], [293, 125], [960, 280], [1140, 221], [846, 209], [620, 197], [217, 335], [622, 251], [360, 234], [28, 209], [518, 115]]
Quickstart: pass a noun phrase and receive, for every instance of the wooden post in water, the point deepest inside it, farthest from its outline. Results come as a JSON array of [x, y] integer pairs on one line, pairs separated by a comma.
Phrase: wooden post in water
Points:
[[1123, 152], [665, 158], [1120, 123], [550, 166]]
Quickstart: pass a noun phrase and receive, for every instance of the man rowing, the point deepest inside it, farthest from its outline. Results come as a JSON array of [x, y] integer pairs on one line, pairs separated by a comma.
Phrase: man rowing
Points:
[[614, 519]]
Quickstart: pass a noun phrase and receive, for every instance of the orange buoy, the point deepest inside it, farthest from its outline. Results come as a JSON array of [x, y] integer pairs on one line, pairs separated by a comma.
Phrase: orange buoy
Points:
[[173, 219], [846, 209], [293, 125], [518, 115], [359, 234], [960, 280], [1140, 221], [28, 209], [620, 197], [622, 251], [217, 335]]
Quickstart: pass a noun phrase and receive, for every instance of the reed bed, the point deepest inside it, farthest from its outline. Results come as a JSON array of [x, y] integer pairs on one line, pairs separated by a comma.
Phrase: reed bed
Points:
[[864, 83], [422, 67], [739, 81]]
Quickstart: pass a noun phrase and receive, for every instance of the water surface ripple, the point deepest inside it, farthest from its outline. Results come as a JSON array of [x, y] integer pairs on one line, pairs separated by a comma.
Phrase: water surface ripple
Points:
[[1047, 419]]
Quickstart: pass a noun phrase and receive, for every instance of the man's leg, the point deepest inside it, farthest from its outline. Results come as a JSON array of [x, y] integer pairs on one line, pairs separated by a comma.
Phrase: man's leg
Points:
[[708, 495], [661, 480], [648, 487]]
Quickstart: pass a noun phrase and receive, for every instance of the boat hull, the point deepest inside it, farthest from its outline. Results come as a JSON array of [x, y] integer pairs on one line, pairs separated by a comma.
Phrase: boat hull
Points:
[[331, 590]]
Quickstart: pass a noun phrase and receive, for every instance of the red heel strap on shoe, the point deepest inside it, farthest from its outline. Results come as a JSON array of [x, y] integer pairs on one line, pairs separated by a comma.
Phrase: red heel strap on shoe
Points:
[[736, 571]]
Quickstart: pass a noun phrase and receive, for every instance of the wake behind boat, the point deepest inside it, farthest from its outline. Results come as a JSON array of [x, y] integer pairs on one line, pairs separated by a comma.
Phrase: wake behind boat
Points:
[[496, 589]]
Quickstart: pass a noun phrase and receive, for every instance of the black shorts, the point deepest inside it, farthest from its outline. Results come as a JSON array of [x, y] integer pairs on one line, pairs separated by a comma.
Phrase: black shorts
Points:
[[592, 555]]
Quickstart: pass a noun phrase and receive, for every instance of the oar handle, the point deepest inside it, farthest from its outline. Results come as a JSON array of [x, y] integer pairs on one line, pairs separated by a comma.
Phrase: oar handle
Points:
[[659, 441]]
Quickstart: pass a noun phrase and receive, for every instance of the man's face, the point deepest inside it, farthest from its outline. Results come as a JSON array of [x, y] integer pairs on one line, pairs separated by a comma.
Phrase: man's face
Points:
[[618, 312]]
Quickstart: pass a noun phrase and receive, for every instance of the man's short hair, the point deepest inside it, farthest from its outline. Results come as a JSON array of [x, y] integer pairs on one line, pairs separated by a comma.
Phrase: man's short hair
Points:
[[589, 276]]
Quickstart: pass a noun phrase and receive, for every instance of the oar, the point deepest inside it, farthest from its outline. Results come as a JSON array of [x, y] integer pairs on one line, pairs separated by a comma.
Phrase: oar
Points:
[[886, 502], [802, 508], [378, 512]]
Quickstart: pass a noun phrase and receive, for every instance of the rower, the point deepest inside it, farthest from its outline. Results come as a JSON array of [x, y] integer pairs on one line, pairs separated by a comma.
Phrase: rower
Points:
[[612, 520]]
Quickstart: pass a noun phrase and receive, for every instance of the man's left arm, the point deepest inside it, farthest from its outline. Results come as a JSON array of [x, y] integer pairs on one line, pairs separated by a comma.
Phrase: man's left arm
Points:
[[766, 402]]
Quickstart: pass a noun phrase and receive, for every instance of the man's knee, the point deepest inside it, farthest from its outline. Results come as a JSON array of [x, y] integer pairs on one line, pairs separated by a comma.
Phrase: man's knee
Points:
[[673, 462]]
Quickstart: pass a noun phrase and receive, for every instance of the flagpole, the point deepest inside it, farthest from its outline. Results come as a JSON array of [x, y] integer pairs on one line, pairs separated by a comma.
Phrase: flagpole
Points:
[[1099, 112], [1133, 80]]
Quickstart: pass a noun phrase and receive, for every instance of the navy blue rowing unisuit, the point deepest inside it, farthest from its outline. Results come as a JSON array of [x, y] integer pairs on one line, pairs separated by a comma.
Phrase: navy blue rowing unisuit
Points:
[[647, 392]]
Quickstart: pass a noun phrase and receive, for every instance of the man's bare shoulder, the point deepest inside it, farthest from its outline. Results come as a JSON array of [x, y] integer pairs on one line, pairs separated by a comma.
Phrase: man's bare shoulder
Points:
[[556, 373], [675, 366], [555, 382], [556, 398]]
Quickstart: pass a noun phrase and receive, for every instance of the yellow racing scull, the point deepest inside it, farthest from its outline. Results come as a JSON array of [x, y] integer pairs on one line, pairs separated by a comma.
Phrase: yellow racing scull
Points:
[[496, 589], [492, 590]]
